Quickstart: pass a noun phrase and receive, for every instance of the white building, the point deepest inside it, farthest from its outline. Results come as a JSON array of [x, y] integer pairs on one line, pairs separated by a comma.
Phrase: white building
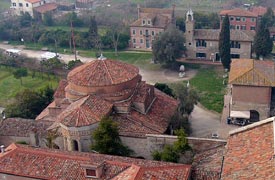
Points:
[[22, 6]]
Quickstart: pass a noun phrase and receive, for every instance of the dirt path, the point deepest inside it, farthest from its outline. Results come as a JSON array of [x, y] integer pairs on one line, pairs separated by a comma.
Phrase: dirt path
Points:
[[164, 76], [36, 54]]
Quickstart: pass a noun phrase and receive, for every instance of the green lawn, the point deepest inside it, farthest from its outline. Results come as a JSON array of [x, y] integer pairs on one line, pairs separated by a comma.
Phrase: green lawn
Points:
[[209, 83], [11, 86], [4, 5]]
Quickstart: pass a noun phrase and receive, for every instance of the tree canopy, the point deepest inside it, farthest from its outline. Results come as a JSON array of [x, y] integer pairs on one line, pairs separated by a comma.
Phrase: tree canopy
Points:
[[168, 46], [171, 153], [19, 73], [224, 43], [107, 140], [164, 88], [28, 104], [262, 42]]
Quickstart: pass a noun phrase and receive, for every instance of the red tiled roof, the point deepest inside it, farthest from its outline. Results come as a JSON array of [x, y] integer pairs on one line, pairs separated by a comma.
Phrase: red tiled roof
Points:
[[33, 1], [60, 91], [250, 152], [238, 12], [156, 121], [85, 112], [245, 71], [235, 35], [158, 21], [52, 164], [102, 73], [46, 7], [207, 164]]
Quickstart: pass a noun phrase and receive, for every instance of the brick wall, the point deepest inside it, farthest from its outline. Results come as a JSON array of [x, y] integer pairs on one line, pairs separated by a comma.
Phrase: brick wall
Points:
[[245, 98], [249, 154], [251, 94]]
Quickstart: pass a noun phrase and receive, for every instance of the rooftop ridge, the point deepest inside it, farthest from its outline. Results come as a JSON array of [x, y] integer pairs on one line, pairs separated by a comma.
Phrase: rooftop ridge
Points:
[[108, 72], [251, 126]]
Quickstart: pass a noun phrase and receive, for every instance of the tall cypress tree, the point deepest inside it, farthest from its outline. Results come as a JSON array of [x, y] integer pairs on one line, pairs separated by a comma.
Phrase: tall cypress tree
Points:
[[262, 42], [224, 43]]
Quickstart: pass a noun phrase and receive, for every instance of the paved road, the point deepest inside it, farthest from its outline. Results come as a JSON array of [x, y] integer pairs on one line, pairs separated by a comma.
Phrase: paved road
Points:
[[204, 123], [36, 54]]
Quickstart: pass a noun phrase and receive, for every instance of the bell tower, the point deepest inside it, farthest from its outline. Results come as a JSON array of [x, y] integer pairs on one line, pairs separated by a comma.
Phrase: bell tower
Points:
[[190, 23]]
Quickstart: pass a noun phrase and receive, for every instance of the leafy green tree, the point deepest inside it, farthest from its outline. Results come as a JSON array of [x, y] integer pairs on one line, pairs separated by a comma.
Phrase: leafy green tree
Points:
[[262, 42], [25, 19], [107, 140], [187, 97], [206, 21], [168, 46], [19, 73], [224, 43], [72, 64], [28, 104], [72, 18], [164, 88], [171, 153], [180, 23], [268, 18], [48, 19], [181, 145]]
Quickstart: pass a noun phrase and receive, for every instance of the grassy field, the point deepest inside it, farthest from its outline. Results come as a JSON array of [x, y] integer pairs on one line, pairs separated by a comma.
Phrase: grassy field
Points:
[[4, 5], [209, 83], [11, 86]]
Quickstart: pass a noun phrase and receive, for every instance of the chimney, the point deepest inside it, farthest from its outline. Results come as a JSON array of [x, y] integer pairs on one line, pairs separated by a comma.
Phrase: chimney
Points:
[[2, 149], [138, 7]]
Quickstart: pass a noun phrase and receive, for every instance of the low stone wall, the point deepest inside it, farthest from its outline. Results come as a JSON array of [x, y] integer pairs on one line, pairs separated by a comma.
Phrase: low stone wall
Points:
[[143, 147]]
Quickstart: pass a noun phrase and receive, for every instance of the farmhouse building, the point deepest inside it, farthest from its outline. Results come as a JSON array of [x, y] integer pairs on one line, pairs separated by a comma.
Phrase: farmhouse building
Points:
[[150, 23], [26, 162], [240, 19], [252, 87], [204, 43], [33, 7]]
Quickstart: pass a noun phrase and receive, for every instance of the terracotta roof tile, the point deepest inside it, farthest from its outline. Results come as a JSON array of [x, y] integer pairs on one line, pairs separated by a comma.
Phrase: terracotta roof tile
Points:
[[207, 164], [156, 121], [60, 91], [85, 112], [158, 20], [250, 152], [263, 70], [213, 34], [52, 164], [46, 7], [33, 1], [102, 73], [238, 12]]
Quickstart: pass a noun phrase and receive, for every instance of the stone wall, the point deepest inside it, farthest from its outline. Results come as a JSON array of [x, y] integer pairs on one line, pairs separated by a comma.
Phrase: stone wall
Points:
[[144, 147]]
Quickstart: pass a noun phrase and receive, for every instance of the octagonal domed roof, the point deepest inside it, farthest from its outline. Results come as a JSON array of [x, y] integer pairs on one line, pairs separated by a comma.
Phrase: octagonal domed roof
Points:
[[102, 73]]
